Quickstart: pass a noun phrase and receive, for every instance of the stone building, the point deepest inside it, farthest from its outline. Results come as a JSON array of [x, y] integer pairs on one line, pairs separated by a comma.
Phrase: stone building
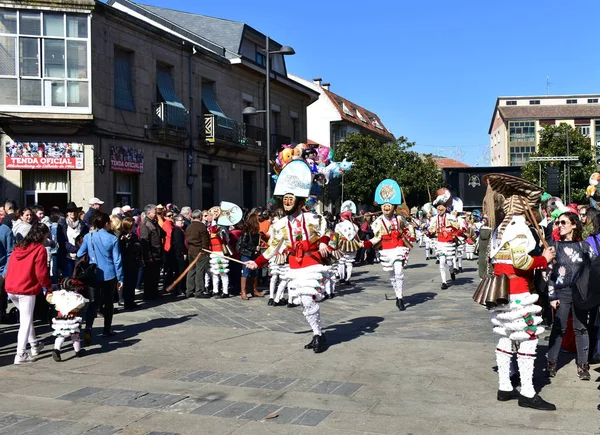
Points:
[[126, 103]]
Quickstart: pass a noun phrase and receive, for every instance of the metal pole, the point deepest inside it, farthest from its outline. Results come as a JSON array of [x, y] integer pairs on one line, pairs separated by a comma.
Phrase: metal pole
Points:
[[268, 115], [540, 183], [190, 153], [565, 182], [342, 187], [568, 171]]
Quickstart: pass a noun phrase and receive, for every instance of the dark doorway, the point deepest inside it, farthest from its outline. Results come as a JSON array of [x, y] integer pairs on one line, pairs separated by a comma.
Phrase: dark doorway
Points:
[[164, 181], [209, 181], [49, 200], [249, 183]]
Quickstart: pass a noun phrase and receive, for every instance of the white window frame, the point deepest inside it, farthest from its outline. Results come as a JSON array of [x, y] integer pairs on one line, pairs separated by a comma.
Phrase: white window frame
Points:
[[41, 50]]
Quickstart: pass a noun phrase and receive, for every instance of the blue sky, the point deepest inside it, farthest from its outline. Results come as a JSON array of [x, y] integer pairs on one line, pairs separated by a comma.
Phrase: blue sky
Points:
[[432, 70]]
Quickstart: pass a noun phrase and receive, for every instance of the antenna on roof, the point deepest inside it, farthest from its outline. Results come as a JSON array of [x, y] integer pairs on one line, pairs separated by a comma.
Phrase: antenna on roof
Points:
[[548, 83]]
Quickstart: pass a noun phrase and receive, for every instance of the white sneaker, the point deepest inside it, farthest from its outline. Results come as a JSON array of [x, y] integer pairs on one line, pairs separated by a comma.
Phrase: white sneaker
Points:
[[37, 348], [23, 358], [138, 291]]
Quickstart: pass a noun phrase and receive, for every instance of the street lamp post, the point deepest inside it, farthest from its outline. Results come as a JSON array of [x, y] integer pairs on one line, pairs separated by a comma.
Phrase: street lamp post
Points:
[[567, 168], [285, 51]]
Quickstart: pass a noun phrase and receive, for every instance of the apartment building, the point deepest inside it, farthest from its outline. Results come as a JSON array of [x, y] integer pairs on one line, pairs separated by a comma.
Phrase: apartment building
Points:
[[516, 123], [135, 104]]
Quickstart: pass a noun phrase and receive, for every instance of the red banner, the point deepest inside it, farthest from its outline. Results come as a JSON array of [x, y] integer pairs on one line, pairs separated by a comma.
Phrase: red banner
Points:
[[44, 155], [126, 159]]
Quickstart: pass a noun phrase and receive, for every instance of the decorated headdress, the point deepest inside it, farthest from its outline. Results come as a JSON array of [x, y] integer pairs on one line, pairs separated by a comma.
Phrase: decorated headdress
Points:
[[444, 197], [348, 206], [388, 191], [215, 211], [591, 189], [295, 179], [230, 215], [457, 205], [517, 196]]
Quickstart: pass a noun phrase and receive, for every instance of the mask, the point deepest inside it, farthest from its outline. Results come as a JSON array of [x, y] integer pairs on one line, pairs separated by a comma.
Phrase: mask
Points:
[[387, 209]]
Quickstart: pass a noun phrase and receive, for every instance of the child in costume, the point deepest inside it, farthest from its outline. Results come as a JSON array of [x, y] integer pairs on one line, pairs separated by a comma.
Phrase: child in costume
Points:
[[67, 323], [219, 265], [348, 243], [278, 266], [389, 229]]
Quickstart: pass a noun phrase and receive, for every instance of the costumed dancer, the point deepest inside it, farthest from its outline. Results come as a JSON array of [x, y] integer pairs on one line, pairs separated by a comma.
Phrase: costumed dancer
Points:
[[460, 239], [279, 268], [444, 228], [515, 316], [219, 265], [470, 239], [428, 210], [67, 322], [303, 234], [389, 229], [348, 242]]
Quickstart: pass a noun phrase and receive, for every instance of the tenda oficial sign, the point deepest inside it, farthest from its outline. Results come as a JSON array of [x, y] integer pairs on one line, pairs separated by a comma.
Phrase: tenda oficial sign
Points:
[[44, 155]]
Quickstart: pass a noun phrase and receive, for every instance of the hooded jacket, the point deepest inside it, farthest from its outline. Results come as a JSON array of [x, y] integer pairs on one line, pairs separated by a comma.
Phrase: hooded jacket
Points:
[[27, 270], [20, 229]]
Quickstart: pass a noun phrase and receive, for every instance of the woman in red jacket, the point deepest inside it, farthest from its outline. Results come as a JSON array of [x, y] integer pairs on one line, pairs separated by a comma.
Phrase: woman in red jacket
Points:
[[26, 274]]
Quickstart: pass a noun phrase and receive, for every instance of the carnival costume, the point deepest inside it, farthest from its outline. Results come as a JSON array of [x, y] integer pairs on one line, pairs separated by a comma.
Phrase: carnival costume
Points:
[[219, 265], [507, 292], [348, 243], [389, 229], [303, 235], [444, 227], [278, 269], [67, 323]]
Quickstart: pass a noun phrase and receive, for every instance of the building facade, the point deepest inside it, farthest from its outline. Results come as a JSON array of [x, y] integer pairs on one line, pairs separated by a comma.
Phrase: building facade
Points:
[[332, 117], [122, 102], [516, 123]]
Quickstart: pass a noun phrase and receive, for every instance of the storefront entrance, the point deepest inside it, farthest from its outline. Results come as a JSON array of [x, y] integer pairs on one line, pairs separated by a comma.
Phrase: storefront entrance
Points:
[[46, 188]]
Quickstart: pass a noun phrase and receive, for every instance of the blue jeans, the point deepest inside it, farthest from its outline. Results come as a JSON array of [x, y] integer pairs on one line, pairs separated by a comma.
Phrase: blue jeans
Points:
[[247, 273]]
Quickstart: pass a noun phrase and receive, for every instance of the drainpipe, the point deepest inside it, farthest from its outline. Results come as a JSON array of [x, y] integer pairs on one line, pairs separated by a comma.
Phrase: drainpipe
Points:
[[190, 153]]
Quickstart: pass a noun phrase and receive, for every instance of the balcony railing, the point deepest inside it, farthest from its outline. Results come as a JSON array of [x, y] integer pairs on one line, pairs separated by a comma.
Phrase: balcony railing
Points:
[[169, 118], [219, 128], [256, 135]]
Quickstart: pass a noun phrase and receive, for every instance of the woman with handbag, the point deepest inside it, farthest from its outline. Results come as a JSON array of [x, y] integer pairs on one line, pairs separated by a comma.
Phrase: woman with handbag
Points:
[[248, 247], [103, 251], [572, 255], [132, 260]]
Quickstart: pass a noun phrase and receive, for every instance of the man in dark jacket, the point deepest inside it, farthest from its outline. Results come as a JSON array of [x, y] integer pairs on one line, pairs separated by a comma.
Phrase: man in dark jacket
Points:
[[10, 207], [152, 249], [197, 239]]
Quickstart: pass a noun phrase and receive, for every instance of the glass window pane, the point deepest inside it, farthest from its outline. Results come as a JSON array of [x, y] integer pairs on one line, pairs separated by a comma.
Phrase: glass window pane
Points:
[[29, 23], [7, 55], [54, 93], [77, 95], [31, 92], [8, 90], [54, 58], [77, 26], [77, 59], [8, 21], [29, 57], [54, 24]]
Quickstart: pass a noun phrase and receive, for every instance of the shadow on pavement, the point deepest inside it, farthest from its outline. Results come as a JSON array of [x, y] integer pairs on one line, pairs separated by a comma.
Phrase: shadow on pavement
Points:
[[419, 298], [351, 329], [415, 266]]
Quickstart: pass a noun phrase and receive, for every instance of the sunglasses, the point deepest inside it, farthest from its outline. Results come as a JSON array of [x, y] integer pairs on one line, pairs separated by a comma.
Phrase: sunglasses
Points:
[[563, 223]]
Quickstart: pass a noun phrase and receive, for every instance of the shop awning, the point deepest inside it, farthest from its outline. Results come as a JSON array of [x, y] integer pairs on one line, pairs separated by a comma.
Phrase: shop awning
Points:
[[176, 110], [210, 101]]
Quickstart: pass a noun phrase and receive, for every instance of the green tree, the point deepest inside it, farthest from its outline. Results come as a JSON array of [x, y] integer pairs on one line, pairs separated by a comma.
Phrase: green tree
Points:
[[553, 142], [375, 161]]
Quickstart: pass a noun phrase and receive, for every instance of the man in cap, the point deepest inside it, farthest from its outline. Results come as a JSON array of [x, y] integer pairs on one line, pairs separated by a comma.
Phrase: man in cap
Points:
[[95, 204]]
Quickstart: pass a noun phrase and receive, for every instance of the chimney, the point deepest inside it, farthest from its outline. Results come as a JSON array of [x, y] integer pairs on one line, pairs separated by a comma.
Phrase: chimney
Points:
[[326, 86], [317, 81]]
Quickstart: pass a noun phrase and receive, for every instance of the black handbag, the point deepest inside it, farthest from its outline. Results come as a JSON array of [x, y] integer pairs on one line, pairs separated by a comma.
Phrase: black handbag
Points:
[[244, 248], [86, 271]]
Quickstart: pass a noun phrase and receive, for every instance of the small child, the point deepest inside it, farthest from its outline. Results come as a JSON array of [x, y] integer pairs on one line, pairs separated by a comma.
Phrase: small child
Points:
[[67, 302]]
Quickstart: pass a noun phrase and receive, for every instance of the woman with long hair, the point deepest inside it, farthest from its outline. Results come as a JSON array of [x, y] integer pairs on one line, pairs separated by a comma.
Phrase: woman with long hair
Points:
[[26, 274], [572, 255], [103, 250], [22, 223], [248, 247]]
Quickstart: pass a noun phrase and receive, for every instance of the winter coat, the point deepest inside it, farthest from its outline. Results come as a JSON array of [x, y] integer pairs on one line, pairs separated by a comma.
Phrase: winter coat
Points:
[[20, 229], [151, 239]]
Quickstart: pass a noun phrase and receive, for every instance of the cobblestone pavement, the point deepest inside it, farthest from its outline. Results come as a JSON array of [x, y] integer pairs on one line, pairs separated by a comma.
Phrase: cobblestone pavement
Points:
[[189, 366]]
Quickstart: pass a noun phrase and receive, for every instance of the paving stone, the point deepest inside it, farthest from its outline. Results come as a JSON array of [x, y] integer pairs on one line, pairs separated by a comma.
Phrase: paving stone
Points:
[[52, 427], [155, 400], [237, 380], [161, 433], [122, 398], [259, 381], [302, 385], [235, 410], [212, 407], [83, 392], [288, 414], [185, 405], [218, 377], [197, 376], [279, 384], [347, 389], [102, 430], [312, 417], [325, 387], [24, 426], [138, 371], [101, 396], [260, 412], [10, 419], [178, 374]]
